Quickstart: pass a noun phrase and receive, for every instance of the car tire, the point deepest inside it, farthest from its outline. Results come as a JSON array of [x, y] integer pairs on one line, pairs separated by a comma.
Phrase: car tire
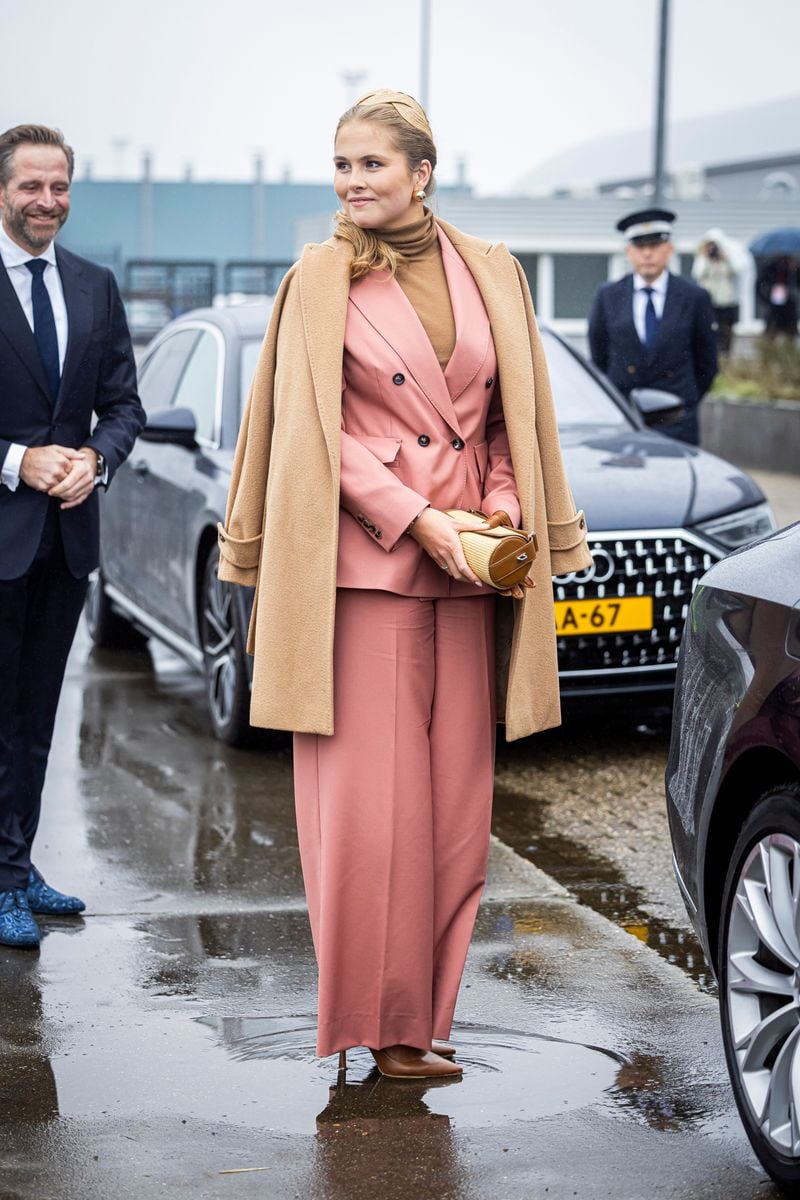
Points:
[[107, 628], [759, 980], [223, 638]]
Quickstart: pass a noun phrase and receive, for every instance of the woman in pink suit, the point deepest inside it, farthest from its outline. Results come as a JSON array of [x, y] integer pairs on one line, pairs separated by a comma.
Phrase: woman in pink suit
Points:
[[394, 709]]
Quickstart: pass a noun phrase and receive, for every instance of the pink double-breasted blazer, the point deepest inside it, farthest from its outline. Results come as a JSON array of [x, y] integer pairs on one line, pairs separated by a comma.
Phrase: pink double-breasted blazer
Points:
[[413, 434]]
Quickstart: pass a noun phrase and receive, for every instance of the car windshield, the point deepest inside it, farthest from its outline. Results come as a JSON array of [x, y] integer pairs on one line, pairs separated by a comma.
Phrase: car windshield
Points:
[[580, 400]]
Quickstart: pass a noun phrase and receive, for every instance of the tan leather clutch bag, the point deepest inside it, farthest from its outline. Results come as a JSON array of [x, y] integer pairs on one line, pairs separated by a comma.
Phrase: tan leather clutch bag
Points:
[[500, 557]]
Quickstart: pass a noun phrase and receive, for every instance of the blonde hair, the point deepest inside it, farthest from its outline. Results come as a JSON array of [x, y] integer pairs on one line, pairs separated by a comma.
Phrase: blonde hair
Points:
[[406, 122]]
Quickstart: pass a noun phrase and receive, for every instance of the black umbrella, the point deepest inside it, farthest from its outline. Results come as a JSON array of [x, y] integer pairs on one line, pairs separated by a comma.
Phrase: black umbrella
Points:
[[778, 241]]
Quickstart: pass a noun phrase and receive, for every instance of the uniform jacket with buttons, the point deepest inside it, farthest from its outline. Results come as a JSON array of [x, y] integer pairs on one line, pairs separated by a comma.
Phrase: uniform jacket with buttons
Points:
[[683, 357], [298, 477], [414, 435]]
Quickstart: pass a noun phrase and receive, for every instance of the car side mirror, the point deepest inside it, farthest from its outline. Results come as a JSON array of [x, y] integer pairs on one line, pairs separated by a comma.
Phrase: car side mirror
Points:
[[175, 426], [657, 408]]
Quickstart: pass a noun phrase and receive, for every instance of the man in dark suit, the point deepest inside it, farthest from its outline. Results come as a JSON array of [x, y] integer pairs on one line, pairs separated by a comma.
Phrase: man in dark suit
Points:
[[65, 354], [653, 329]]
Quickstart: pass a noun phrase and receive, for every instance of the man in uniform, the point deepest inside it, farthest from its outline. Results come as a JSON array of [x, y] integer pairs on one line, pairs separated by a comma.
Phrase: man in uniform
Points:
[[653, 329], [65, 358]]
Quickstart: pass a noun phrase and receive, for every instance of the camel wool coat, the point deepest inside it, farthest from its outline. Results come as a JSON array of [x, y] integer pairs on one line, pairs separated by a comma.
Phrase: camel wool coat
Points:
[[282, 522]]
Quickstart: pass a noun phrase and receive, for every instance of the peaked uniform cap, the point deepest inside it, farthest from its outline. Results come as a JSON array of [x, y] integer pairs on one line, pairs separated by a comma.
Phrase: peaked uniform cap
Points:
[[647, 225]]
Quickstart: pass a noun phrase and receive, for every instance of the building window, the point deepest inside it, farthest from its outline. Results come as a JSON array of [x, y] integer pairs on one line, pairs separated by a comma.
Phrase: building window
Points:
[[530, 265], [576, 279]]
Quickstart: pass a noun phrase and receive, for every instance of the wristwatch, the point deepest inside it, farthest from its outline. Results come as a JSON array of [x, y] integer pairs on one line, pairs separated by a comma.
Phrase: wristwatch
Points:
[[100, 470]]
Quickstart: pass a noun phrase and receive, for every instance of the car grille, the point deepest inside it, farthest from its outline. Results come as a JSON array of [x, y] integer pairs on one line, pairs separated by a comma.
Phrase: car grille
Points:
[[666, 565]]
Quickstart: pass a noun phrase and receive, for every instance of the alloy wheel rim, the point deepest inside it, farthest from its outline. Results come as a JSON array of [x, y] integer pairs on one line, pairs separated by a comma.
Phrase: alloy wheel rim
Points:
[[218, 634], [763, 988]]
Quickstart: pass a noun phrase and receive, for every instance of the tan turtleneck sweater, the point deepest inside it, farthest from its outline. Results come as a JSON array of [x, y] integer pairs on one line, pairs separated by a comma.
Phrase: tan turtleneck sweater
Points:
[[422, 278]]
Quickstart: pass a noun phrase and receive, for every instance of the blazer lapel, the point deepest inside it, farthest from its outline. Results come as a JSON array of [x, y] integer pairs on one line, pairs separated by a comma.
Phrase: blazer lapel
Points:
[[669, 317], [383, 303], [496, 276], [14, 324], [80, 311], [324, 281], [473, 331], [626, 300]]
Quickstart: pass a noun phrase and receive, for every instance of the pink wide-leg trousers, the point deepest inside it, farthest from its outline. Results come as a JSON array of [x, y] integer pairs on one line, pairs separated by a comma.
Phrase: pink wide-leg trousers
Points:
[[393, 815]]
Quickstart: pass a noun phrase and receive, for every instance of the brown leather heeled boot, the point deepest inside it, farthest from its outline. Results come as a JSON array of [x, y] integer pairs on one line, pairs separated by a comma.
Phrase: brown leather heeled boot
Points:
[[407, 1062]]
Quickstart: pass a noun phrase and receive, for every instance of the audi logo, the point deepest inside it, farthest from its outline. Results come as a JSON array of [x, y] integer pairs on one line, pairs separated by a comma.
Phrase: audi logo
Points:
[[601, 570]]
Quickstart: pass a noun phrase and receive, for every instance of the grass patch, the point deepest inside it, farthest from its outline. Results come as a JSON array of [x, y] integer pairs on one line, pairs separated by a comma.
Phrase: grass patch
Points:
[[773, 373]]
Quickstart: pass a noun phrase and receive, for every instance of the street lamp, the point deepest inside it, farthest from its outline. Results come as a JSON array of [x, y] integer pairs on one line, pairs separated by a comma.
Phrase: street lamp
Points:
[[661, 104]]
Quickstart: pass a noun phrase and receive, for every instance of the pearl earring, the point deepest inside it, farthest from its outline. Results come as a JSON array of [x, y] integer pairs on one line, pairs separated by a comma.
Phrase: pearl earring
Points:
[[420, 194]]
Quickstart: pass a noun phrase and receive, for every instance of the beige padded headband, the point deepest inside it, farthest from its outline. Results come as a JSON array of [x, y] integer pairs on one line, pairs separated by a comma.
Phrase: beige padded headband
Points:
[[405, 106]]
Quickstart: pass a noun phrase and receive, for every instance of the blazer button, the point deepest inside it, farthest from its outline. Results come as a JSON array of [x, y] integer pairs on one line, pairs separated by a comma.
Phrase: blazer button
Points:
[[490, 382], [398, 379], [457, 444], [631, 369], [424, 440]]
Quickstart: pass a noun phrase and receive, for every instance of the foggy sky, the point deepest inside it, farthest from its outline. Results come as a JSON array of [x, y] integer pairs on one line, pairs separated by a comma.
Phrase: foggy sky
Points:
[[512, 81]]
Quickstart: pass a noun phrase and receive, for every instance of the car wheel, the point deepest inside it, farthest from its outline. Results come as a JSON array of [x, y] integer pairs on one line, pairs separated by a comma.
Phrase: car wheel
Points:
[[760, 980], [107, 628], [223, 630]]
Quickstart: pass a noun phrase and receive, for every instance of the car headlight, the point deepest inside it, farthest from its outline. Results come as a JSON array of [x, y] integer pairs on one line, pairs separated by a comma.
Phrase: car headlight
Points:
[[739, 528]]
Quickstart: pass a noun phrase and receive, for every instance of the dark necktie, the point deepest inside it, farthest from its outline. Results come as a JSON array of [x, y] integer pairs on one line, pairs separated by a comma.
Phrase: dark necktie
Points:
[[44, 325], [650, 318]]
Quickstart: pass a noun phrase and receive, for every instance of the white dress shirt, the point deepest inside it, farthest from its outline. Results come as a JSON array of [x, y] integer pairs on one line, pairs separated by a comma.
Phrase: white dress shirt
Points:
[[659, 287], [14, 260]]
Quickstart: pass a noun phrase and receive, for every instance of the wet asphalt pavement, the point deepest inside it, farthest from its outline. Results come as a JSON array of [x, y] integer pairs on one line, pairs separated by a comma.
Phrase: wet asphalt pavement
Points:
[[163, 1045]]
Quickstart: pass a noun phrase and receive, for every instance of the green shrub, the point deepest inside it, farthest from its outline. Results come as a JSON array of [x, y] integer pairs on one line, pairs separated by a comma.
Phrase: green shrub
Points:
[[773, 373]]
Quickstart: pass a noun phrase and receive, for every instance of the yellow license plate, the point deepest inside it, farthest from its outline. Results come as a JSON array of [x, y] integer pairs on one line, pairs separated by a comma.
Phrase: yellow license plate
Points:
[[623, 615]]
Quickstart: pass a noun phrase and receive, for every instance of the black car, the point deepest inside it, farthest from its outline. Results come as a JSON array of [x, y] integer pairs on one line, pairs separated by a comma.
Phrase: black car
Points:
[[659, 513], [733, 788]]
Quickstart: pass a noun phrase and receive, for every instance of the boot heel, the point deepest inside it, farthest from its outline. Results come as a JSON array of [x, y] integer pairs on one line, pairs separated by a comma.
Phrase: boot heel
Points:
[[342, 1062]]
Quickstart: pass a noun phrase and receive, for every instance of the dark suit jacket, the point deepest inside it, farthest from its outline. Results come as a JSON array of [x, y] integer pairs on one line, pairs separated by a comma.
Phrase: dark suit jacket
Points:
[[99, 377], [683, 357]]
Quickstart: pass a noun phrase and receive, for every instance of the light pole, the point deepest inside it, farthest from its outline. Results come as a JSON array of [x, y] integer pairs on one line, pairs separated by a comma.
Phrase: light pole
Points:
[[425, 53], [661, 104]]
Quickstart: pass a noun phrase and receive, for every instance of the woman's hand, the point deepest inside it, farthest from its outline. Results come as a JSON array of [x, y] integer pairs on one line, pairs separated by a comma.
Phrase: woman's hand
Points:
[[437, 533]]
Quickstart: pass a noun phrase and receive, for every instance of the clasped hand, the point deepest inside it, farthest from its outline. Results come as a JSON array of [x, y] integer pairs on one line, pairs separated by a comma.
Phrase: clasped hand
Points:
[[437, 533], [62, 472]]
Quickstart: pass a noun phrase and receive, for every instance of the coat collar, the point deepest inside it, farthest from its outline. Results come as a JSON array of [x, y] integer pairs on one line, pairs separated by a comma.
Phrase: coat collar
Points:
[[324, 284], [673, 305], [384, 304], [495, 273], [78, 299], [14, 324]]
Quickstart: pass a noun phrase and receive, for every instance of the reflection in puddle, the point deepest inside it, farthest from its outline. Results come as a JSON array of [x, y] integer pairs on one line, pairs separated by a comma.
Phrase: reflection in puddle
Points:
[[596, 882], [522, 1076]]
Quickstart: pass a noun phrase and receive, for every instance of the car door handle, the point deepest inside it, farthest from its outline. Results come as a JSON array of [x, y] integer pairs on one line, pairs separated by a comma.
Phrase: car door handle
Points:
[[141, 468]]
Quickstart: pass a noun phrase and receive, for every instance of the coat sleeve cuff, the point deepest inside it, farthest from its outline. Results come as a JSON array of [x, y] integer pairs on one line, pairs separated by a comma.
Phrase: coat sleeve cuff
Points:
[[238, 557], [568, 549]]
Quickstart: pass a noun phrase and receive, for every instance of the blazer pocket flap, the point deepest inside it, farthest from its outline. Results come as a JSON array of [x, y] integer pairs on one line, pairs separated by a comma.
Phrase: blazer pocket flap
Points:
[[564, 535], [385, 449], [240, 552]]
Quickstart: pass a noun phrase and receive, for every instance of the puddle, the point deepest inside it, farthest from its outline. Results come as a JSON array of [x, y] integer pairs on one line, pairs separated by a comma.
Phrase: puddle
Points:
[[598, 883], [519, 1076]]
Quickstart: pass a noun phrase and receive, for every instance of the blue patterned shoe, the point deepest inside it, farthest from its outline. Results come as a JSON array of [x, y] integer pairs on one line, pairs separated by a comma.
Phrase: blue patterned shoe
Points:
[[44, 899], [17, 926]]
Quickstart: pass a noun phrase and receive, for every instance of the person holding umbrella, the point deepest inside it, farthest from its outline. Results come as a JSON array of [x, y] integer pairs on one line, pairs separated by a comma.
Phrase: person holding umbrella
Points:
[[778, 283]]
